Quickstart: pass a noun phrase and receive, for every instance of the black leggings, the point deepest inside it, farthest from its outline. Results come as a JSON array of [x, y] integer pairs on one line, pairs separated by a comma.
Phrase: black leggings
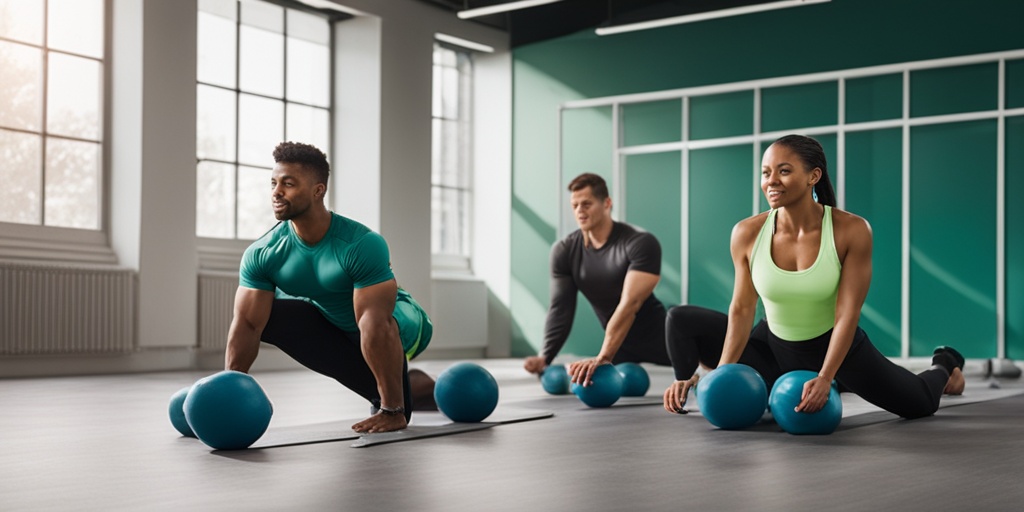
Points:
[[301, 331], [696, 335], [865, 371], [644, 342]]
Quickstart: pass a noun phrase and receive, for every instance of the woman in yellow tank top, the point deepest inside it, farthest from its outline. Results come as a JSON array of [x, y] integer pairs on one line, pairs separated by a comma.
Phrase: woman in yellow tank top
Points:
[[810, 263]]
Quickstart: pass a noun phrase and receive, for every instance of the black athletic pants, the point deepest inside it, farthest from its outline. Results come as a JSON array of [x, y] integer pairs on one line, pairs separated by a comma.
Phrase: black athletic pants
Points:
[[301, 331], [645, 342], [865, 371]]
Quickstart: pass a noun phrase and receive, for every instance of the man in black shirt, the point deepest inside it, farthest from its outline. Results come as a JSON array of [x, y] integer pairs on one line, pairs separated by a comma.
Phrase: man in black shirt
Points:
[[616, 266]]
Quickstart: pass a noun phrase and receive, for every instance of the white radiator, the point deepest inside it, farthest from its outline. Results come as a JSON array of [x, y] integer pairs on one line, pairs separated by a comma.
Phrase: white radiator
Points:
[[216, 307], [60, 310]]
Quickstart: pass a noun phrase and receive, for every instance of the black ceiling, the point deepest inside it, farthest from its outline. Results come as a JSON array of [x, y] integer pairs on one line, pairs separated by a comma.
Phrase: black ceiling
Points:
[[561, 18]]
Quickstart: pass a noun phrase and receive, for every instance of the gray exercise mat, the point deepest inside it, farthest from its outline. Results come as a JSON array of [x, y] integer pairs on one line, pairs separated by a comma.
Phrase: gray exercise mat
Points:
[[307, 434], [859, 413], [435, 424], [423, 425], [625, 401]]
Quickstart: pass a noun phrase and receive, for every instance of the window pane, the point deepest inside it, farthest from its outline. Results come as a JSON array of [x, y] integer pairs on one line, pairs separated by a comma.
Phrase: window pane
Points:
[[261, 68], [799, 106], [309, 27], [435, 93], [21, 156], [652, 122], [260, 128], [449, 221], [216, 49], [264, 15], [436, 158], [21, 86], [72, 187], [29, 16], [215, 119], [953, 90], [255, 216], [76, 26], [215, 200], [73, 97], [447, 172], [309, 67], [309, 125], [449, 93]]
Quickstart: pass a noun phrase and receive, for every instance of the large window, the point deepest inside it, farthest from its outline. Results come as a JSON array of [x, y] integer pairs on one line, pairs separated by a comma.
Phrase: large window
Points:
[[452, 190], [264, 76], [51, 112]]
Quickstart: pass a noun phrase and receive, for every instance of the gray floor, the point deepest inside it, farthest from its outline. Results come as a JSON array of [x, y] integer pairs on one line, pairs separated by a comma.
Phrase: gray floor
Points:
[[104, 443]]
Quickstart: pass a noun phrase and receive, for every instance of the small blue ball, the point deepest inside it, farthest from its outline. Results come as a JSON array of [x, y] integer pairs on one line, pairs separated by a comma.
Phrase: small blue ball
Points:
[[635, 381], [176, 409], [605, 390], [466, 392], [785, 397], [228, 410], [732, 396], [555, 380]]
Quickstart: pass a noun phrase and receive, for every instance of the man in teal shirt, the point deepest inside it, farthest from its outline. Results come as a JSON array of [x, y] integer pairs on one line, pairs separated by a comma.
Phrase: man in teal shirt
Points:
[[320, 287]]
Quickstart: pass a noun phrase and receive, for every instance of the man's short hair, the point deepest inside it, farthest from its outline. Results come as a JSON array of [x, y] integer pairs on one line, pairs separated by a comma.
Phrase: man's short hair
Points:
[[595, 182], [305, 155]]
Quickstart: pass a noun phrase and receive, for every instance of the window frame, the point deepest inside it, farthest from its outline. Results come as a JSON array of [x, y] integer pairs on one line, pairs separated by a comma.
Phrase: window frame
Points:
[[36, 242], [217, 253], [461, 262]]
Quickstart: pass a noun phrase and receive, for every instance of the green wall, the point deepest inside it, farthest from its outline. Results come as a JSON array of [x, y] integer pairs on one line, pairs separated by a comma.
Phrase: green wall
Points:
[[787, 42]]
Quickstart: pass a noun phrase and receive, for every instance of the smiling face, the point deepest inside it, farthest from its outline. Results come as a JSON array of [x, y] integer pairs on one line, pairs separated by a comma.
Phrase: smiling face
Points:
[[785, 178], [294, 189], [590, 212]]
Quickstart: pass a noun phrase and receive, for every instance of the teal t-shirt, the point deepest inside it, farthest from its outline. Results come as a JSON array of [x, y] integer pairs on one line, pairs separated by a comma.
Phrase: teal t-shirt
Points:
[[349, 256]]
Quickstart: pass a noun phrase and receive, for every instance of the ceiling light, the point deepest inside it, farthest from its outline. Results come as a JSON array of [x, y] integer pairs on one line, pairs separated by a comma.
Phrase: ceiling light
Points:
[[464, 43], [505, 7], [690, 18]]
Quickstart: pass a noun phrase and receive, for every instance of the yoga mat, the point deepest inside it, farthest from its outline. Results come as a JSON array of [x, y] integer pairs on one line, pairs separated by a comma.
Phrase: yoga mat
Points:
[[423, 425], [435, 425], [858, 413]]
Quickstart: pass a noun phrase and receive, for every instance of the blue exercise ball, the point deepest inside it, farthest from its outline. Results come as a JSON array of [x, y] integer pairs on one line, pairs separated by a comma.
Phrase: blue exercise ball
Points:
[[228, 410], [466, 392], [555, 380], [176, 409], [605, 389], [635, 381], [732, 396], [785, 397]]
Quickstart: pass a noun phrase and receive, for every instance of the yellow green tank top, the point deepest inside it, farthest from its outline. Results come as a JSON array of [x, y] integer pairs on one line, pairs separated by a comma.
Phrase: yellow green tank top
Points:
[[799, 305]]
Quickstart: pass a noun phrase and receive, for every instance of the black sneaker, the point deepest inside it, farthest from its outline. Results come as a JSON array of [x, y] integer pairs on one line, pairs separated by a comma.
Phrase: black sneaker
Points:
[[952, 352]]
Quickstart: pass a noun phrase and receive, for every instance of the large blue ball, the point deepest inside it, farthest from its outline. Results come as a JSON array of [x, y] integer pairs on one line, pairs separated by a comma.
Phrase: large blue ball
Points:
[[466, 392], [176, 409], [785, 397], [732, 396], [605, 390], [555, 380], [635, 381], [228, 410]]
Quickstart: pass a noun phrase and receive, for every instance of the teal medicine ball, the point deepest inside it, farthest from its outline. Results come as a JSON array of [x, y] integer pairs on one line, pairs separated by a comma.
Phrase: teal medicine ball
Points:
[[785, 397], [176, 410], [605, 389], [555, 380], [466, 392], [732, 396], [228, 410], [635, 381]]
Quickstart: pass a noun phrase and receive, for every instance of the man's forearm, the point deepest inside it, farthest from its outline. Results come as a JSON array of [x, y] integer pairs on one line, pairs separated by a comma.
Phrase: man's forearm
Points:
[[243, 346], [615, 333]]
